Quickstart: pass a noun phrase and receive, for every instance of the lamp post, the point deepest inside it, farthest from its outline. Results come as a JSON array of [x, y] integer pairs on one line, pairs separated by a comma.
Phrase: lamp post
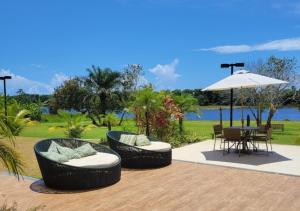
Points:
[[231, 90], [4, 78]]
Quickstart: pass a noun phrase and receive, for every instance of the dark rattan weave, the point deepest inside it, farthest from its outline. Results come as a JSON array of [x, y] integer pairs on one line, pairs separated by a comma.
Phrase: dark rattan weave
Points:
[[61, 176], [133, 157]]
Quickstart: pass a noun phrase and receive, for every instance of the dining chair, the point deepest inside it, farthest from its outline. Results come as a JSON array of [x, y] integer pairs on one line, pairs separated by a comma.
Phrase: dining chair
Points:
[[232, 135], [265, 138], [218, 133]]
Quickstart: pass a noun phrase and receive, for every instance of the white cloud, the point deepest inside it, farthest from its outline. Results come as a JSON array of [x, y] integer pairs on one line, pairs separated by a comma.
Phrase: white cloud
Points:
[[291, 44], [165, 74], [30, 86]]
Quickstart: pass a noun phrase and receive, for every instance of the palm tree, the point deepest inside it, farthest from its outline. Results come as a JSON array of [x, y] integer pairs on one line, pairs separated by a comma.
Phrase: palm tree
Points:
[[102, 83], [186, 103], [145, 104], [74, 127], [9, 158]]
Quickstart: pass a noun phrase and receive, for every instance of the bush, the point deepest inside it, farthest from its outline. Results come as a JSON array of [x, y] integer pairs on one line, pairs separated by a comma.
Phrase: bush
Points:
[[74, 127], [155, 113], [35, 111], [110, 120], [74, 131]]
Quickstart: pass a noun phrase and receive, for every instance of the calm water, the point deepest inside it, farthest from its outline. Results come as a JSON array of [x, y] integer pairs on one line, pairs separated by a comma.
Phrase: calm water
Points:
[[214, 114]]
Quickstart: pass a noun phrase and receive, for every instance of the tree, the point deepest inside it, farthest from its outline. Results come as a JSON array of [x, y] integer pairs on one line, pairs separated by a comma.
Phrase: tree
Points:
[[74, 127], [70, 95], [186, 103], [110, 119], [102, 83], [155, 112], [273, 96], [10, 159], [145, 104], [130, 78]]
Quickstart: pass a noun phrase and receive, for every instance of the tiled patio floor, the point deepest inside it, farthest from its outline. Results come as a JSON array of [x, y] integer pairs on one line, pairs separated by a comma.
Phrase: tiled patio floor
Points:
[[285, 159]]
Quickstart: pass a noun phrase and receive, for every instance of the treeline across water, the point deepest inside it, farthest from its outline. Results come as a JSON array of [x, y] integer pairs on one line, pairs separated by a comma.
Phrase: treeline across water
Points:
[[204, 98]]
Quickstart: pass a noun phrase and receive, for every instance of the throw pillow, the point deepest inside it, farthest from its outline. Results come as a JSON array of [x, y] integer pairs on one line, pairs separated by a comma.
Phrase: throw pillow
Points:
[[142, 140], [85, 150], [128, 139], [53, 147], [68, 152], [55, 156]]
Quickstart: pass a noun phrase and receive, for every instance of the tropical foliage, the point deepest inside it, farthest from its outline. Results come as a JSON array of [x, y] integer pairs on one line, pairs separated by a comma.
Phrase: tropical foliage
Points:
[[186, 103], [102, 83], [74, 126], [70, 95], [9, 158], [17, 118], [154, 112], [110, 120]]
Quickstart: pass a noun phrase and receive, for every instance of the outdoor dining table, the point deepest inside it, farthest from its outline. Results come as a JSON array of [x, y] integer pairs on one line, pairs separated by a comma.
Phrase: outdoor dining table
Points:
[[247, 131]]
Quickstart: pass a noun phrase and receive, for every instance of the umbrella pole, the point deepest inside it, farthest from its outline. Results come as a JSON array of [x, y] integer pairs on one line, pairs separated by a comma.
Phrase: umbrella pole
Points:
[[221, 117], [231, 107], [231, 101], [242, 104]]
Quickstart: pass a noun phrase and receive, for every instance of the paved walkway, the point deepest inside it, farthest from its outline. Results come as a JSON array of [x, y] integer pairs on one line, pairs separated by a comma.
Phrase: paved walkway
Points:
[[180, 186], [285, 159]]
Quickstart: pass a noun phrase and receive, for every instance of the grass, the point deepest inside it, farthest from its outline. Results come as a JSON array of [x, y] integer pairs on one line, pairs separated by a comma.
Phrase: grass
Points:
[[200, 129]]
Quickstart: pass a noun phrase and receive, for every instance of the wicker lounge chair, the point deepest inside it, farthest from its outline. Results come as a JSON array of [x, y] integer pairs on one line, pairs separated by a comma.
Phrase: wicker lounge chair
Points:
[[63, 176], [135, 157]]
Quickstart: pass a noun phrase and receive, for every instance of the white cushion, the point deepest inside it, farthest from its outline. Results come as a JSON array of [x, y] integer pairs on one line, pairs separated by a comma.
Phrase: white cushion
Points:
[[156, 146], [99, 160]]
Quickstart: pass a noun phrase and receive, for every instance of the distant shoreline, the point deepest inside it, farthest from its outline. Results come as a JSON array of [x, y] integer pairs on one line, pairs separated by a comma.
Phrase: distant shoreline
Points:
[[213, 107]]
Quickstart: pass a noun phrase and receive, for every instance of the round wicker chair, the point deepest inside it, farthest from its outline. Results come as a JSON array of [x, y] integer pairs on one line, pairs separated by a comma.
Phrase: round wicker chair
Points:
[[134, 157], [61, 176]]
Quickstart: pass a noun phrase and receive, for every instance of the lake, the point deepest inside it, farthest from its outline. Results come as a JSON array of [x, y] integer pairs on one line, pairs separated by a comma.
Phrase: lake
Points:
[[286, 113]]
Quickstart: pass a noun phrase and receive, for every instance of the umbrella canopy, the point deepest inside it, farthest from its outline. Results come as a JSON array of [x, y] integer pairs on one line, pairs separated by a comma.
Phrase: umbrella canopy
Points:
[[243, 79]]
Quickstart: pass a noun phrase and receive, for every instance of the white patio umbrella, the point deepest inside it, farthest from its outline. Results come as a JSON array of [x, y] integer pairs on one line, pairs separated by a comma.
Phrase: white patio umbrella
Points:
[[243, 79]]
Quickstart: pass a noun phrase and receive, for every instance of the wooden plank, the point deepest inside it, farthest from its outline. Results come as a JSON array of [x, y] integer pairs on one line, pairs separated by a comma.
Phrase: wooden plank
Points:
[[181, 186]]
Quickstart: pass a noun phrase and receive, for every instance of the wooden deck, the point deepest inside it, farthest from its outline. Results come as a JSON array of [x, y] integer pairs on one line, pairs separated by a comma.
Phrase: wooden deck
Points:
[[181, 186]]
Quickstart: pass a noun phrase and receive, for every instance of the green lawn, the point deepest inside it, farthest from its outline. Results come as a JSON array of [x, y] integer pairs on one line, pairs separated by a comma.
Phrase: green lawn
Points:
[[200, 129]]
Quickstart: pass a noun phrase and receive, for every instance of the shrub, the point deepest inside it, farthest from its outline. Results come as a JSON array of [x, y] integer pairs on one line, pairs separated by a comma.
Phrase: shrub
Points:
[[155, 113], [74, 127], [110, 120], [35, 111]]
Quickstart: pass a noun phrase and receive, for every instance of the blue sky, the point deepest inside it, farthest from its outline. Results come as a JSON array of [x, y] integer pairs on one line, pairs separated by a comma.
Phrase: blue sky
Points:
[[180, 43]]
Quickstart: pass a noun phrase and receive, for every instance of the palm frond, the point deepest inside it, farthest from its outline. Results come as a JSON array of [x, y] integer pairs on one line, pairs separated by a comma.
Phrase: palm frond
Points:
[[11, 160]]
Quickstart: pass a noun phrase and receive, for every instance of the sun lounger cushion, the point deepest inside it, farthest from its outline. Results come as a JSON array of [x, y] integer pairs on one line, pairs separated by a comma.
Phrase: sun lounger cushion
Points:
[[142, 140], [85, 150], [157, 146], [99, 160], [128, 139], [55, 156]]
